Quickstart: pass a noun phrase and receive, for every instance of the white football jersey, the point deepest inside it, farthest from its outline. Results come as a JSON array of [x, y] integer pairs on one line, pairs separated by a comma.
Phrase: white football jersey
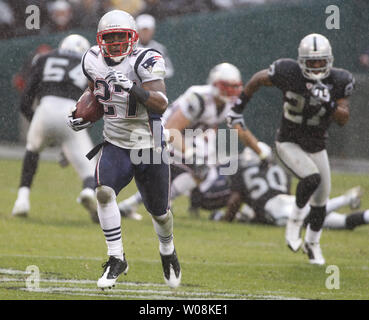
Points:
[[198, 105], [126, 121]]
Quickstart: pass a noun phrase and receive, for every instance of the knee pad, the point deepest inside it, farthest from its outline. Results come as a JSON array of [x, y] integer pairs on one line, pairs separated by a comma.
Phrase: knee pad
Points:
[[306, 188], [105, 194]]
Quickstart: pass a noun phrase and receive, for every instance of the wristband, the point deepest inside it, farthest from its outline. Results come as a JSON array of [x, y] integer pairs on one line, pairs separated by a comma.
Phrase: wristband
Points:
[[141, 94], [241, 103]]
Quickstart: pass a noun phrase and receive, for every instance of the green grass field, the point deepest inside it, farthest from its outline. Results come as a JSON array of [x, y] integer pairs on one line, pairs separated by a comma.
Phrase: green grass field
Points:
[[219, 261]]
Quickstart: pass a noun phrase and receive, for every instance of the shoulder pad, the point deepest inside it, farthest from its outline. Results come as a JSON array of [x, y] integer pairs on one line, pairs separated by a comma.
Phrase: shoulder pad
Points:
[[150, 65], [343, 79]]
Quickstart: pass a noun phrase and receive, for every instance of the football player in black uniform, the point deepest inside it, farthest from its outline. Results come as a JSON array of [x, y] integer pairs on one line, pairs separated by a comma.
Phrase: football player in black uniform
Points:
[[261, 193], [57, 81], [314, 95]]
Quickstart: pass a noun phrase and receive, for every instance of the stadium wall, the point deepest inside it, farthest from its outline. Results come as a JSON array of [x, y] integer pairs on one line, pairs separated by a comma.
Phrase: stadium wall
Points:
[[251, 38]]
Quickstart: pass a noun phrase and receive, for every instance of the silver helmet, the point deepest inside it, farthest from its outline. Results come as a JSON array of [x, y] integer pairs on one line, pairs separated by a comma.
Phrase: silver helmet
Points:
[[312, 48], [75, 43], [117, 22], [226, 80]]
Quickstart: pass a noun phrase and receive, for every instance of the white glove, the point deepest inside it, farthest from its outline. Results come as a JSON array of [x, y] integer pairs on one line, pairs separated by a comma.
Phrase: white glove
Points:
[[78, 123], [321, 92], [266, 151], [119, 79]]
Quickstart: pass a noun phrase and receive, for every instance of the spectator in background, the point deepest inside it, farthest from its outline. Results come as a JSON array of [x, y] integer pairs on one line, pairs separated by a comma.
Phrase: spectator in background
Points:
[[162, 9], [146, 30], [87, 12], [364, 58], [7, 21], [133, 7], [60, 17]]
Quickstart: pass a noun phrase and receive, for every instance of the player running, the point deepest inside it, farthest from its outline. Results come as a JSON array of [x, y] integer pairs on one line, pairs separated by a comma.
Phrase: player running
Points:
[[129, 82], [56, 79], [314, 95]]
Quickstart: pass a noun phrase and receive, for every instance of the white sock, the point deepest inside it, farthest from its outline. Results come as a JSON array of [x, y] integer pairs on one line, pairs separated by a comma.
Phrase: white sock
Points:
[[23, 192], [366, 216], [335, 220], [182, 185], [336, 203], [299, 213], [163, 226], [110, 222], [312, 236]]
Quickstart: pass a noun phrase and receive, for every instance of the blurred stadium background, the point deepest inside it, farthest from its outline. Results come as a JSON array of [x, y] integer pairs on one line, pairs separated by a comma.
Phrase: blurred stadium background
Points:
[[199, 34]]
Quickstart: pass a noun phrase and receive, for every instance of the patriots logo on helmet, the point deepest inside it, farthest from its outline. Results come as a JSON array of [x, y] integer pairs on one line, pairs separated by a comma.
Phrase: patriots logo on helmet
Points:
[[149, 63]]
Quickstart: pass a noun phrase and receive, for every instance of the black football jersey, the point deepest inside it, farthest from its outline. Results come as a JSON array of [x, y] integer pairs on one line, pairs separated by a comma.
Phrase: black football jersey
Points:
[[258, 184], [57, 73], [304, 122]]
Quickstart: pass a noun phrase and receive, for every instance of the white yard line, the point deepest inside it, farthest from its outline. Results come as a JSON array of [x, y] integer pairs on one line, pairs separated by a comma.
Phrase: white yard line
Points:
[[119, 292], [274, 265]]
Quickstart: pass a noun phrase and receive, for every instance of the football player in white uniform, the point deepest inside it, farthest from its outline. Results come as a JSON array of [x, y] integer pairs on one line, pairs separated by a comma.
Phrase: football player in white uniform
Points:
[[129, 82], [56, 79], [200, 107]]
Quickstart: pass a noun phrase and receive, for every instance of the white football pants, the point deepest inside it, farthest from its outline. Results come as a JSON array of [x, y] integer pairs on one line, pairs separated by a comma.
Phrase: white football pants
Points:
[[49, 127], [303, 164]]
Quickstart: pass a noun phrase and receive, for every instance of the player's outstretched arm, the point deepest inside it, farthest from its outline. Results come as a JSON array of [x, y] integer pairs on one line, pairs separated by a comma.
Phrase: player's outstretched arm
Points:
[[259, 79], [342, 113], [175, 124], [233, 205], [157, 100]]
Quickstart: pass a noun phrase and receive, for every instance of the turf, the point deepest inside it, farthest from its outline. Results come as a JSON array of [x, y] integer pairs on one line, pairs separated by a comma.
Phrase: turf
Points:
[[219, 261]]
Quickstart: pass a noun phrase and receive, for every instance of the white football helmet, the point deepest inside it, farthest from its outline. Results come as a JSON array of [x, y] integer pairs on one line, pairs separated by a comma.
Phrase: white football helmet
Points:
[[315, 47], [117, 22], [226, 80], [75, 43]]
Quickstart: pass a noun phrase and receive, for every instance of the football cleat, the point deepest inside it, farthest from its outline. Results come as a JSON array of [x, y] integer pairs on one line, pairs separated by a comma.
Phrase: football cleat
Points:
[[216, 215], [22, 205], [354, 195], [113, 268], [171, 269], [314, 253], [293, 234], [87, 199], [129, 212]]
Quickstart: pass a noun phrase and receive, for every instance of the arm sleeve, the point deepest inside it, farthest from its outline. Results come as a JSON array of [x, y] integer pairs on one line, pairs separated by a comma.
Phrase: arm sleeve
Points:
[[85, 69], [192, 105], [280, 71], [346, 86], [31, 89]]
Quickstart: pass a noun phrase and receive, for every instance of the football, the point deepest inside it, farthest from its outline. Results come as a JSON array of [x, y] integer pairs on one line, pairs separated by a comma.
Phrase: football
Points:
[[88, 108]]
